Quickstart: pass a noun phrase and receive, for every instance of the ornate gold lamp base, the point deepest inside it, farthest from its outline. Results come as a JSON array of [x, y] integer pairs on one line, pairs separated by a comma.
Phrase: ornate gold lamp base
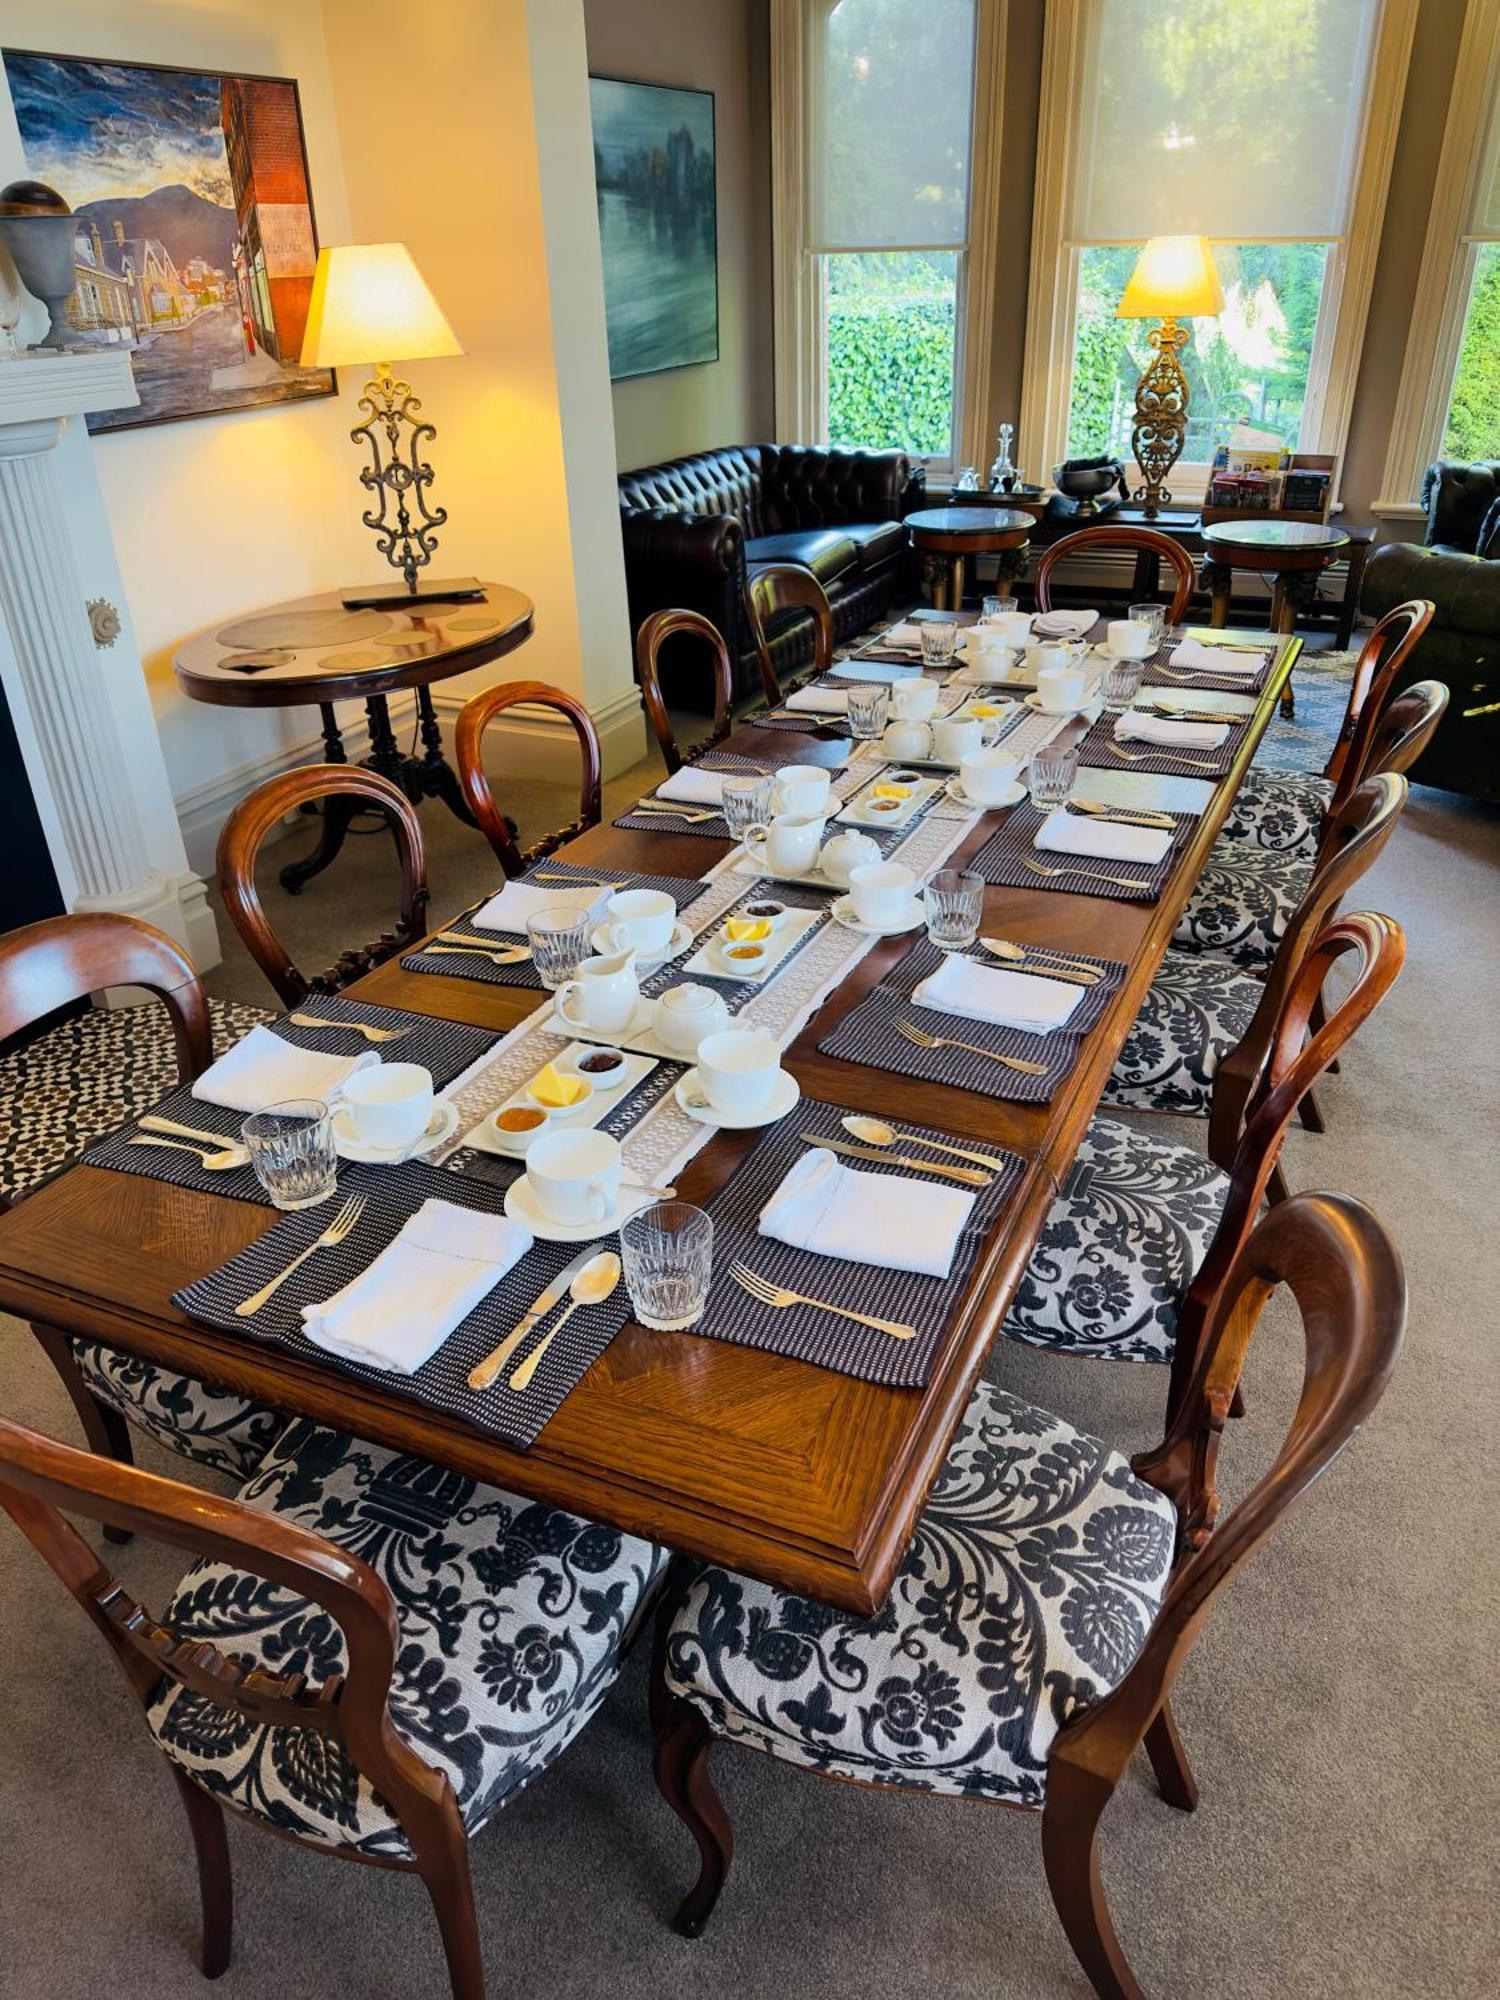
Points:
[[1161, 406]]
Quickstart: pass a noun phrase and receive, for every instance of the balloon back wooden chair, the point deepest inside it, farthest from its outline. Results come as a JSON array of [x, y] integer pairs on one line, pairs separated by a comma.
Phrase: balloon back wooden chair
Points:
[[474, 718], [1387, 648], [240, 843], [1109, 538], [783, 587], [983, 1675], [326, 1669], [656, 632], [50, 965]]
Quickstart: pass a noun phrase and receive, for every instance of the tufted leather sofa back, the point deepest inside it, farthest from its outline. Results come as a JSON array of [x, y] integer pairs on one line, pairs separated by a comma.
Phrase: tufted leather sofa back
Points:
[[1460, 502], [773, 488], [710, 482]]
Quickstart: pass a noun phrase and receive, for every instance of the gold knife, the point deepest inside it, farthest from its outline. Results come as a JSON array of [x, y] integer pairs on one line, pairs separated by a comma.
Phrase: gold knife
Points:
[[485, 1371], [970, 1176], [1122, 815]]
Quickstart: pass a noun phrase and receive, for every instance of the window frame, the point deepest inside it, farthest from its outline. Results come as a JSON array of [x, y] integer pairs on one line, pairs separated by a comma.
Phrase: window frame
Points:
[[1051, 321], [800, 365], [1445, 281]]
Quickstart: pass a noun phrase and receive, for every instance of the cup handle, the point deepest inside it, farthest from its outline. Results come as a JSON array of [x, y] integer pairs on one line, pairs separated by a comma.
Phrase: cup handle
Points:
[[598, 1202], [990, 727], [618, 938], [564, 993], [755, 835]]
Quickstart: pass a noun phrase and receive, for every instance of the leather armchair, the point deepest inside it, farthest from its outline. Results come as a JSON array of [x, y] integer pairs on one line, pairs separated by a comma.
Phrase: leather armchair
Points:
[[695, 528], [1458, 567]]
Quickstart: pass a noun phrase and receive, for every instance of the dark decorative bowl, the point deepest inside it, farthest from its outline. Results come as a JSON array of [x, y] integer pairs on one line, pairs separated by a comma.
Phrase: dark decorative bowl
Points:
[[1085, 481]]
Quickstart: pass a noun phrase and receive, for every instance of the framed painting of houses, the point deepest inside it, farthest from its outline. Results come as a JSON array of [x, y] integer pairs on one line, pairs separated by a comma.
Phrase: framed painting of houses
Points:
[[196, 242], [658, 224]]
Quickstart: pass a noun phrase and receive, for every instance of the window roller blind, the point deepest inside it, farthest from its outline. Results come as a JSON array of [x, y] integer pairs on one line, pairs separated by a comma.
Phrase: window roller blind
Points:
[[1236, 121], [889, 110]]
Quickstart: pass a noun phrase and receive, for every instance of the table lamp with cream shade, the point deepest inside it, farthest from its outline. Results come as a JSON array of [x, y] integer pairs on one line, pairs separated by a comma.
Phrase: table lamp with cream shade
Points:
[[370, 307], [1174, 278]]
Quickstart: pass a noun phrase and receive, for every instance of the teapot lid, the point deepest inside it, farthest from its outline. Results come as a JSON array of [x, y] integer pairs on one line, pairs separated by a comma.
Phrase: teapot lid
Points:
[[688, 994]]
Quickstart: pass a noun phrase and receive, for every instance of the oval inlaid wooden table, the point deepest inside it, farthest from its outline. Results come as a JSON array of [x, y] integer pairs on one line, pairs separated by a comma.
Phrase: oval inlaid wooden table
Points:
[[312, 650], [800, 1475], [945, 536], [1293, 553]]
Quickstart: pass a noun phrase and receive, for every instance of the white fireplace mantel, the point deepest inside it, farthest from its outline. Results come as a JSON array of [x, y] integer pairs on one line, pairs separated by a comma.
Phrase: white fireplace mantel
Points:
[[80, 706]]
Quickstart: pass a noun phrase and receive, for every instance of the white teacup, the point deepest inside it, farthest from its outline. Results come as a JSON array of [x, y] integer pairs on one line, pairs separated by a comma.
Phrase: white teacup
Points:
[[987, 776], [1127, 640], [800, 788], [1061, 690], [641, 920], [738, 1070], [575, 1176], [955, 737], [1012, 627], [904, 742], [389, 1105], [994, 663], [914, 700], [1049, 653], [881, 892], [604, 996], [790, 843]]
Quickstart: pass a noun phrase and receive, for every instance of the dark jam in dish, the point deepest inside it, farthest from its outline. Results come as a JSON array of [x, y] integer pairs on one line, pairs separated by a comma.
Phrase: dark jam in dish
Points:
[[600, 1063], [762, 909]]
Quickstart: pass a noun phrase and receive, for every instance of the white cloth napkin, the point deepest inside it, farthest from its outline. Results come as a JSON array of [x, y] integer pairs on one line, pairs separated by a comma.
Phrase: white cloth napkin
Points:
[[904, 634], [989, 993], [1133, 726], [398, 1312], [264, 1069], [692, 787], [518, 902], [1063, 832], [819, 701], [877, 670], [881, 1219], [1064, 624], [1203, 659]]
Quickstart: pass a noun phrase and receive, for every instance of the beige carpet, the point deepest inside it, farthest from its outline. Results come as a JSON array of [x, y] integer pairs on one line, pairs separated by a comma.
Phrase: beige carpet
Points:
[[1339, 1709]]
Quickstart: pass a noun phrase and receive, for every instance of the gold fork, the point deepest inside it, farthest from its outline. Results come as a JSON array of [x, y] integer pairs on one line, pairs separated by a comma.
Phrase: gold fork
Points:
[[1162, 750], [220, 1159], [336, 1231], [515, 957], [925, 1041], [354, 1027], [694, 815], [1097, 874], [778, 1296], [573, 881], [491, 943]]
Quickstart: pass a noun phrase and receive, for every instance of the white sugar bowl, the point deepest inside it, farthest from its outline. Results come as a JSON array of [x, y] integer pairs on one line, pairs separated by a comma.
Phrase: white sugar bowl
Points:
[[686, 1013], [844, 853]]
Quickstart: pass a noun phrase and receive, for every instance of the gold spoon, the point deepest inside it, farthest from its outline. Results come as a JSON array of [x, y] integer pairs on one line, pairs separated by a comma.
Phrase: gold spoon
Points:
[[875, 1132], [1063, 968], [591, 1287]]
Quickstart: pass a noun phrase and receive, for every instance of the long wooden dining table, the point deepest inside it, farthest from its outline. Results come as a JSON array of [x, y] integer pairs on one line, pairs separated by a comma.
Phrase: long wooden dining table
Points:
[[805, 1477]]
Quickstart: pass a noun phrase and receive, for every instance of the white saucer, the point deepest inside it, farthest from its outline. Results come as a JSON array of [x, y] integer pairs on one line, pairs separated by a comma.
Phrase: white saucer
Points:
[[521, 1206], [614, 1038], [783, 1098], [442, 1125], [1012, 796], [681, 938], [843, 913], [1034, 703]]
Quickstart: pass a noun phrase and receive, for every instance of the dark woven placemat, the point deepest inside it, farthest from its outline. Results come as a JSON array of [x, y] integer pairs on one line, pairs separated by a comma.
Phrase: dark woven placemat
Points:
[[1003, 858], [714, 827], [1160, 674], [681, 888], [447, 1048], [392, 1194], [1096, 749], [868, 1034], [803, 1332]]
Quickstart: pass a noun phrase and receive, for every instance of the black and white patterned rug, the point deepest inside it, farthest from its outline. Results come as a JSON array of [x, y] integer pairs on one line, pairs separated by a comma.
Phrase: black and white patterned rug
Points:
[[72, 1085]]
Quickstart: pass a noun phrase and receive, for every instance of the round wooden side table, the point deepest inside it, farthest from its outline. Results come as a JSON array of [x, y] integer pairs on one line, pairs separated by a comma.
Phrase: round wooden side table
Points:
[[944, 536], [1293, 553], [310, 650]]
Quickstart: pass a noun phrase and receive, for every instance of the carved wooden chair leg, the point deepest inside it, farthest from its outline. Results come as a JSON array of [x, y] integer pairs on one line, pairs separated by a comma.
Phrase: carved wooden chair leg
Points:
[[1310, 1113], [215, 1882], [106, 1430], [1237, 1403], [682, 1778], [1174, 1774], [1276, 1187], [1070, 1853], [443, 1864], [1317, 1020]]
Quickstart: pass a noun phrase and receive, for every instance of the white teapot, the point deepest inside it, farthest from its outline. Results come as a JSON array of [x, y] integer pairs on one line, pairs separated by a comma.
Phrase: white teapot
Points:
[[686, 1013], [844, 853]]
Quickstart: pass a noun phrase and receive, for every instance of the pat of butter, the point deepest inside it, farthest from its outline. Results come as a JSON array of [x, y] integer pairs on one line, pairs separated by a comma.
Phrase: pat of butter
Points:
[[550, 1086], [891, 792], [983, 710], [746, 930]]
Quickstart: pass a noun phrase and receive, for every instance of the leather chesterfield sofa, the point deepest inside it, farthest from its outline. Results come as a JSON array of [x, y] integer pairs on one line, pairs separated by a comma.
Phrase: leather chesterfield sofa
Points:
[[695, 528], [1458, 567]]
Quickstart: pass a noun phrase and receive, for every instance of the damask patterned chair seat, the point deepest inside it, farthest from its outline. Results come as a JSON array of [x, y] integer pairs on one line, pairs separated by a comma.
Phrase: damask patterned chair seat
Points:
[[514, 1618], [1242, 904], [1279, 811], [1119, 1247], [210, 1426], [1196, 1009], [1035, 1572]]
